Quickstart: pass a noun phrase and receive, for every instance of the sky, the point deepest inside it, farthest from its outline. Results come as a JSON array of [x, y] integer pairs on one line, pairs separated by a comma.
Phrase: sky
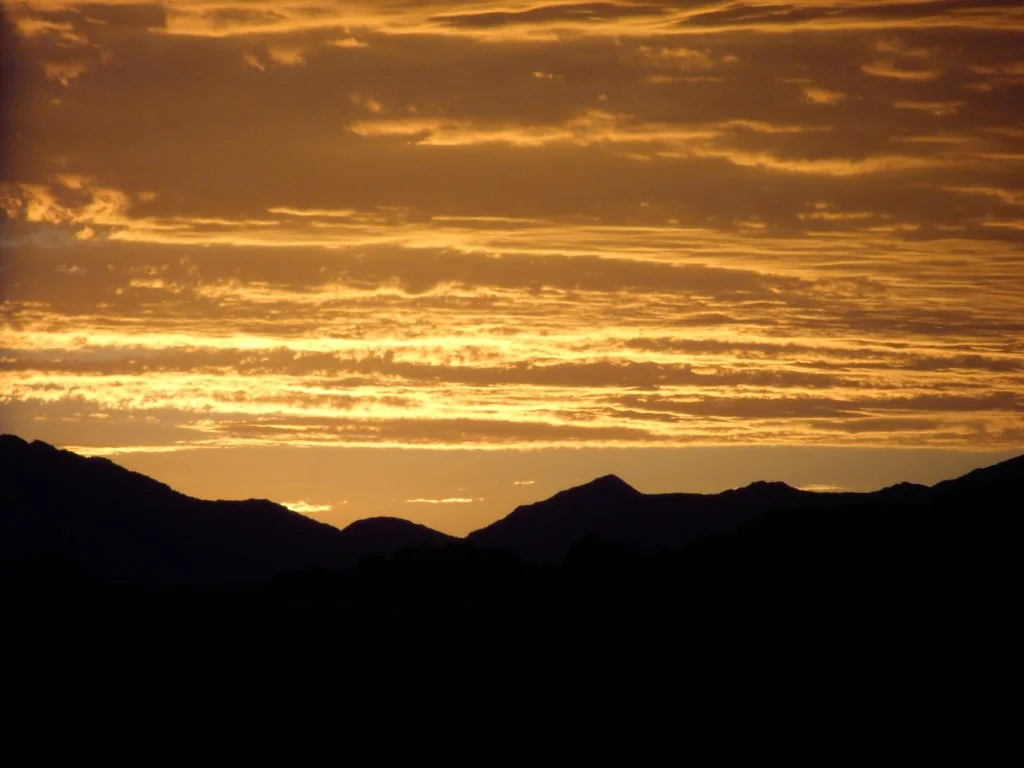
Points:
[[438, 259]]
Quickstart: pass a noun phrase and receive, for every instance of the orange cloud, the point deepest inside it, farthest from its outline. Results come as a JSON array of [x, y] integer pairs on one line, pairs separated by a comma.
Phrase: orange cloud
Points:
[[518, 225]]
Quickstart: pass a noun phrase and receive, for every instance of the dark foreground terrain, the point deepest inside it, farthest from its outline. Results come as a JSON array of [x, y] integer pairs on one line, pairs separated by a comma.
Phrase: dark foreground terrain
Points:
[[823, 630]]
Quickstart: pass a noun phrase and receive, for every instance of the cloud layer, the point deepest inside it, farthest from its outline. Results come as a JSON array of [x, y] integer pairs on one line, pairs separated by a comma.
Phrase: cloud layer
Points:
[[504, 224]]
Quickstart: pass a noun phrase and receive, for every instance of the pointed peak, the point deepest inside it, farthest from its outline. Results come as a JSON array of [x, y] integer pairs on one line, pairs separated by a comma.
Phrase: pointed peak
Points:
[[608, 484]]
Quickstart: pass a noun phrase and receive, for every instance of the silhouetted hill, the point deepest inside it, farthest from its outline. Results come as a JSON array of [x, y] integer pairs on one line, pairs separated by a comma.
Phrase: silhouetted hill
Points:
[[610, 509], [388, 535], [121, 525]]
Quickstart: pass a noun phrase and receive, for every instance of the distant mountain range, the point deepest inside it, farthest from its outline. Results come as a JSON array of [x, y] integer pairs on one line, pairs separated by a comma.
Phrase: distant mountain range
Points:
[[616, 512], [121, 525]]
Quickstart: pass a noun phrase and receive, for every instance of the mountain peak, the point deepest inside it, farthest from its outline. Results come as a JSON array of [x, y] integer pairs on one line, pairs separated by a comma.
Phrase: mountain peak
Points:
[[905, 486], [607, 488], [383, 523], [387, 535], [766, 485], [610, 484]]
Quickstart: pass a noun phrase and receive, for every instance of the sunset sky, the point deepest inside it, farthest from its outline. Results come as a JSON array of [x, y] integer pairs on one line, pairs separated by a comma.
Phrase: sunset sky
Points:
[[437, 259]]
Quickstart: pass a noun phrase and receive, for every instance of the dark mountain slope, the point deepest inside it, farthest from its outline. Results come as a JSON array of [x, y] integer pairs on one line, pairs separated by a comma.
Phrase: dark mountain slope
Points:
[[997, 483], [614, 511], [388, 535], [118, 524]]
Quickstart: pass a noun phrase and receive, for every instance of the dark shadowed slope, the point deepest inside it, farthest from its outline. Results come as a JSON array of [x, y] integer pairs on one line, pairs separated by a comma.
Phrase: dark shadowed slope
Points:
[[998, 483], [122, 525], [614, 511], [388, 535]]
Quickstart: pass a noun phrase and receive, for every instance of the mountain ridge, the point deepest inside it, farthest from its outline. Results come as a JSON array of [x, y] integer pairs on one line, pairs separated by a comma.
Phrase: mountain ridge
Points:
[[126, 526], [130, 525]]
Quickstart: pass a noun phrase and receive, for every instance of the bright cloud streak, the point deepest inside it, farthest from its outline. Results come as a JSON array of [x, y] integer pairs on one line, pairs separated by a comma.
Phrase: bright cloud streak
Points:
[[305, 508], [451, 500]]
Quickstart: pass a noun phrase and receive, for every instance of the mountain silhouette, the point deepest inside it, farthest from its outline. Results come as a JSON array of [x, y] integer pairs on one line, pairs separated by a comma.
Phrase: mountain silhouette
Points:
[[672, 622], [121, 525], [124, 526], [388, 535], [996, 483], [606, 487], [610, 509]]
